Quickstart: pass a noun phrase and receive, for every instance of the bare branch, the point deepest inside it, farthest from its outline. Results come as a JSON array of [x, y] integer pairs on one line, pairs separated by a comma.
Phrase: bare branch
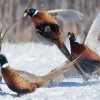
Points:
[[5, 33], [2, 37]]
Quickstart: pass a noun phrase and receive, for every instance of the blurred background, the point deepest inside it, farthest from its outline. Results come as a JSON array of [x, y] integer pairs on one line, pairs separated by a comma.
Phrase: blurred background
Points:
[[22, 30]]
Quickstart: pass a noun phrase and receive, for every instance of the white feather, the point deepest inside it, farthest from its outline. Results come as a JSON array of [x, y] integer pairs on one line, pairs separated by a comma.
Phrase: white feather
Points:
[[92, 37], [68, 15], [5, 65], [36, 12]]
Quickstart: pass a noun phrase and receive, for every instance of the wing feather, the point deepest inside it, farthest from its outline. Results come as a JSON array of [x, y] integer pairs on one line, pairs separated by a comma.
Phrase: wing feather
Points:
[[92, 37], [68, 15], [28, 76]]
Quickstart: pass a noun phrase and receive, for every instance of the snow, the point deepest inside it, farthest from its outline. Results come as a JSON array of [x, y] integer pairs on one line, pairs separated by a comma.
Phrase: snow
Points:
[[40, 59]]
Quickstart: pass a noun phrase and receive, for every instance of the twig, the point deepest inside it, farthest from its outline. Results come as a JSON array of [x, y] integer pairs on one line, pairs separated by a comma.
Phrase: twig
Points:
[[2, 37], [5, 33]]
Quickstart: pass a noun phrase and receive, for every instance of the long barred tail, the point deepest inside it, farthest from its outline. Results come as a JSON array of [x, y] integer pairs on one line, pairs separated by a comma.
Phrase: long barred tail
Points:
[[67, 54]]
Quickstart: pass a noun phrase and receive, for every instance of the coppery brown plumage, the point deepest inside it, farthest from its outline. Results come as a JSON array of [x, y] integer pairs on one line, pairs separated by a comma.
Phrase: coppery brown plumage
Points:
[[49, 29], [19, 84], [1, 40], [19, 81], [89, 60], [23, 82]]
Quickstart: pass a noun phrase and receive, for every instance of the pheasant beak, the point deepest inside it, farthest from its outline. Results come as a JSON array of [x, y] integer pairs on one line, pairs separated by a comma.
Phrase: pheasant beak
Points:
[[25, 14]]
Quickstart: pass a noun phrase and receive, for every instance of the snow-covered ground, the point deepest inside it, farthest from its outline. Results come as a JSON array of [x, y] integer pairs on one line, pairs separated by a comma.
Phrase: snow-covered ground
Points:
[[40, 59]]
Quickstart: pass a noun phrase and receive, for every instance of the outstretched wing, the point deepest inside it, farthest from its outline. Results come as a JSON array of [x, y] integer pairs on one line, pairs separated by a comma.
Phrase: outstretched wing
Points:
[[92, 37], [68, 15]]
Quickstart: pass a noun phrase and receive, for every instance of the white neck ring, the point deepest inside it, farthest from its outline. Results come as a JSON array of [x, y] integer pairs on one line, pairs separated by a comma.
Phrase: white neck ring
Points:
[[35, 12], [5, 65]]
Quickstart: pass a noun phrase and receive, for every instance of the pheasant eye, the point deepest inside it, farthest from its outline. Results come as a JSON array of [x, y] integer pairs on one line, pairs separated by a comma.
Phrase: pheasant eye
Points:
[[27, 10]]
